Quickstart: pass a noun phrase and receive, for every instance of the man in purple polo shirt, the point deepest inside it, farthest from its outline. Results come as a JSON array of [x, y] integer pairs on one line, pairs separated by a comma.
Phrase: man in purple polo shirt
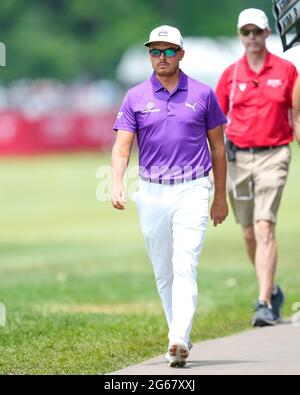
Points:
[[176, 120]]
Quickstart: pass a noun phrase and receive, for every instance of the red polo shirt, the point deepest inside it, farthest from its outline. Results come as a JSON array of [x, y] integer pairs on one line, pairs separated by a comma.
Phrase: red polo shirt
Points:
[[259, 113]]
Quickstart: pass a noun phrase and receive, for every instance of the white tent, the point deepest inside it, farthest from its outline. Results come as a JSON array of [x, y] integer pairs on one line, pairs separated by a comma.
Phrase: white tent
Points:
[[205, 59]]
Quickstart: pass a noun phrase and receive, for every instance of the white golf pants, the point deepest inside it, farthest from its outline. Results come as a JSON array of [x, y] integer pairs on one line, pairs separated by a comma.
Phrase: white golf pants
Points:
[[174, 220]]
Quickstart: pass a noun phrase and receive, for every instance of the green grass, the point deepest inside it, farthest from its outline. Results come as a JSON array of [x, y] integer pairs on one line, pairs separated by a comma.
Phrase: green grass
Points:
[[78, 285]]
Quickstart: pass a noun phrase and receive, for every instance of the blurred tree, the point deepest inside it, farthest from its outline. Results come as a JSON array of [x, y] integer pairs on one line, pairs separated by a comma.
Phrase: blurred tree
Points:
[[217, 17], [67, 38]]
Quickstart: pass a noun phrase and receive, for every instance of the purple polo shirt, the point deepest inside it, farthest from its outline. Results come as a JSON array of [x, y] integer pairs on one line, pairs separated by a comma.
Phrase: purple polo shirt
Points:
[[171, 127]]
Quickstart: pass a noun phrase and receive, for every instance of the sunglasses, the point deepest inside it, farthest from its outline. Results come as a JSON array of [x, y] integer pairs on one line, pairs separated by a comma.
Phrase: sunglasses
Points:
[[247, 32], [168, 53]]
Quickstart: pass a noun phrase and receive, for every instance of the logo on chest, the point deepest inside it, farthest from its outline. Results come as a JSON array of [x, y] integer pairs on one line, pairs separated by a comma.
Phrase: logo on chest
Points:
[[192, 106], [150, 108], [242, 87], [274, 83]]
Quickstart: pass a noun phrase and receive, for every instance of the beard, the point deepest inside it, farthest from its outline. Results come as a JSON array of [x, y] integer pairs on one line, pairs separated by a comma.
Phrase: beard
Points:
[[254, 47], [168, 72]]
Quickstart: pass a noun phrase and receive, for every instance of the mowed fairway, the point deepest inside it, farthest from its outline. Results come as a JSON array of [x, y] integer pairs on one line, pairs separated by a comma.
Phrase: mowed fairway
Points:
[[77, 283]]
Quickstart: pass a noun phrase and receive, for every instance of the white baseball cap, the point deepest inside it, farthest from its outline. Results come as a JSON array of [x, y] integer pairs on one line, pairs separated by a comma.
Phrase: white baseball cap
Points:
[[253, 16], [166, 34]]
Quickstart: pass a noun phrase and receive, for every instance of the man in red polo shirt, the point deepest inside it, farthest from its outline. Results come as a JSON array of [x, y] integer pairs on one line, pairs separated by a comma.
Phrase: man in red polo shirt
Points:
[[256, 92]]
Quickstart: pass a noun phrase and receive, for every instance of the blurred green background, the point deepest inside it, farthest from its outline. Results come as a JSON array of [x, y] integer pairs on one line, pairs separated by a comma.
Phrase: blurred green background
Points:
[[64, 38]]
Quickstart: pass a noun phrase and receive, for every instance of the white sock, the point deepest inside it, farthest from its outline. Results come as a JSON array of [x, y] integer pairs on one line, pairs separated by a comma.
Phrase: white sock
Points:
[[275, 290]]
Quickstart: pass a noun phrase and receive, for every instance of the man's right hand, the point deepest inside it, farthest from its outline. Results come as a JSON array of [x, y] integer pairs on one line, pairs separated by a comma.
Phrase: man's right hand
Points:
[[118, 198], [120, 158], [296, 107], [297, 126]]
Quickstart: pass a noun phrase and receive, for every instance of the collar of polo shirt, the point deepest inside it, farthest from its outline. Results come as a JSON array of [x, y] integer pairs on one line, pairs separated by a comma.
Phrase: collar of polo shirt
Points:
[[182, 85]]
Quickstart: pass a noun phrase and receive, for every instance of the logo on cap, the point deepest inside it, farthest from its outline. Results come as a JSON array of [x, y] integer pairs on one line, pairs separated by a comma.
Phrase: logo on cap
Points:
[[163, 33]]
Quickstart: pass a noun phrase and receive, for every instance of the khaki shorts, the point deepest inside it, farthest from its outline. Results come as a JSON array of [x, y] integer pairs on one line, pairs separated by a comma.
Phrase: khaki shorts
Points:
[[256, 183]]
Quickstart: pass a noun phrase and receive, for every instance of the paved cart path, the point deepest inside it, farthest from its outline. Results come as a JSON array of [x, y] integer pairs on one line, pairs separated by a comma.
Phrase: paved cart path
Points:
[[267, 351]]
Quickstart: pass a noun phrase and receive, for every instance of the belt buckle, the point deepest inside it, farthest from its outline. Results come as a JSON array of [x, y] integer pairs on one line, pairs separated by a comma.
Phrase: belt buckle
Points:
[[177, 181], [162, 182], [171, 181]]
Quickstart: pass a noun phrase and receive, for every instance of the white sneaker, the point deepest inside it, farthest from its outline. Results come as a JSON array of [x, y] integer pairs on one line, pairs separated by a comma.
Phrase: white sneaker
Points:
[[178, 353], [168, 357]]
